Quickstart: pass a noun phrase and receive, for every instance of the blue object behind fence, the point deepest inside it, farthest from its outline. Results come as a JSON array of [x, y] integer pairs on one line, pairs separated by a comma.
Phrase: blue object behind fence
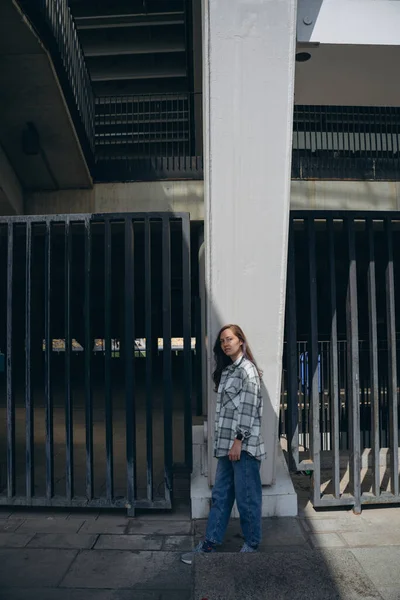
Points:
[[304, 372]]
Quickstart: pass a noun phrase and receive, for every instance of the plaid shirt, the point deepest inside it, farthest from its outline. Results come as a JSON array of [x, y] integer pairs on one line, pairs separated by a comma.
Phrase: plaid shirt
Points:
[[239, 409]]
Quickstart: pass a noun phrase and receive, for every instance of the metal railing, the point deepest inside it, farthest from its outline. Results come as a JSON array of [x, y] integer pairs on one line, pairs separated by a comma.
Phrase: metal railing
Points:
[[346, 142], [304, 378], [54, 23], [89, 428], [341, 393], [145, 136]]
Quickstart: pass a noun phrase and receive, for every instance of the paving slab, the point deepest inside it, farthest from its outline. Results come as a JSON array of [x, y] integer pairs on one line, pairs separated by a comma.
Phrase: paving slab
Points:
[[105, 525], [181, 512], [389, 593], [309, 512], [57, 594], [285, 532], [10, 525], [85, 594], [39, 514], [49, 525], [327, 540], [62, 540], [382, 565], [354, 523], [84, 515], [296, 549], [176, 595], [178, 543], [283, 576], [375, 537], [351, 580], [385, 518], [14, 540], [38, 568], [129, 542], [141, 570], [159, 527]]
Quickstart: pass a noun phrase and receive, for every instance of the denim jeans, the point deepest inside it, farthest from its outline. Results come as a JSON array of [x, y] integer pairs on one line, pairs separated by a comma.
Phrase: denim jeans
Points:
[[238, 480]]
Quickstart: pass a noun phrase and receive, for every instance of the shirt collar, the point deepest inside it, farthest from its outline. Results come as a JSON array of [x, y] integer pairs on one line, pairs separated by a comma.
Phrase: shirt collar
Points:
[[237, 362]]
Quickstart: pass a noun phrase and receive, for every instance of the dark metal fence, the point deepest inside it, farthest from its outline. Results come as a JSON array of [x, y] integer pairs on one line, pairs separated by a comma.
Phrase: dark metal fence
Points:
[[56, 28], [346, 142], [145, 137], [94, 387], [152, 136], [324, 382], [340, 385]]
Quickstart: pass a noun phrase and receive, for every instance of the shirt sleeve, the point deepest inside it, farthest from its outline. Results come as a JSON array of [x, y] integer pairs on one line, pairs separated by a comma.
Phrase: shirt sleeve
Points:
[[248, 405]]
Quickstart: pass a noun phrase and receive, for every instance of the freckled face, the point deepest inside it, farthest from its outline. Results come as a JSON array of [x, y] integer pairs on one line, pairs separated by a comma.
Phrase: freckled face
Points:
[[231, 345]]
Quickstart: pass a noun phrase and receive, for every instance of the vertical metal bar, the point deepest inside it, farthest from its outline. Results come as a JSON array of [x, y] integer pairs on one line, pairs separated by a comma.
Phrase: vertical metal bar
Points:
[[303, 397], [199, 326], [129, 363], [313, 364], [392, 362], [353, 370], [30, 485], [334, 370], [373, 359], [149, 358], [47, 367], [292, 374], [167, 357], [9, 375], [107, 361], [187, 340], [321, 355], [198, 382], [88, 364], [69, 435]]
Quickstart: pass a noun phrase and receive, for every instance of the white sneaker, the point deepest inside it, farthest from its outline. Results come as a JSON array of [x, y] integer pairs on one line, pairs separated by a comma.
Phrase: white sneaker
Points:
[[187, 558]]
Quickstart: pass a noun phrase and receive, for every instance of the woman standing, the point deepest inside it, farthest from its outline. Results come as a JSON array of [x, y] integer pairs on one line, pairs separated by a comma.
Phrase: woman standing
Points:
[[238, 443]]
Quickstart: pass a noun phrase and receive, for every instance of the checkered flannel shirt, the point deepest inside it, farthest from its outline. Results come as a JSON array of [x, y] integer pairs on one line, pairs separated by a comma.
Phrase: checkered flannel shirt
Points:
[[239, 409]]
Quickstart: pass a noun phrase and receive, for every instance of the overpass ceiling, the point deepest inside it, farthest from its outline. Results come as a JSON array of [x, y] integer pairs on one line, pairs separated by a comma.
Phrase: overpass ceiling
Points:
[[30, 93], [137, 46]]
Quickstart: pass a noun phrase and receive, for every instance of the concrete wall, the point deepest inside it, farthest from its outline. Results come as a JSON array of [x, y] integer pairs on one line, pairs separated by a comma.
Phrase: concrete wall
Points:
[[345, 195], [188, 196], [158, 196]]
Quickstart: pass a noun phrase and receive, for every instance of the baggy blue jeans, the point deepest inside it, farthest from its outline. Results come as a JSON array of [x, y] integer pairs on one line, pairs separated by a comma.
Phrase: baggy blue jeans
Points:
[[238, 480]]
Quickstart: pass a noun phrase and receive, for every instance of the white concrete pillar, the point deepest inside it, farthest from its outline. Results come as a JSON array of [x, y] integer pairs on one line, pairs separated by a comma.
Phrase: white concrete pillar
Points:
[[248, 67]]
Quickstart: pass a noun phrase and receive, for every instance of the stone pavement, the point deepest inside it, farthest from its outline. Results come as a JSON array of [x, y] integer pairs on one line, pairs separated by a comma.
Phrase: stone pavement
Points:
[[325, 555], [57, 555]]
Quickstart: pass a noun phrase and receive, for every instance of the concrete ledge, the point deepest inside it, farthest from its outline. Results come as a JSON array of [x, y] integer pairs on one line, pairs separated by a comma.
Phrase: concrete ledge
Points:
[[188, 196], [279, 500], [152, 196]]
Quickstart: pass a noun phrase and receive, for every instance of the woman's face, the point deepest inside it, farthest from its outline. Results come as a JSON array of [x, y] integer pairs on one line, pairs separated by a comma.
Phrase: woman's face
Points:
[[230, 344]]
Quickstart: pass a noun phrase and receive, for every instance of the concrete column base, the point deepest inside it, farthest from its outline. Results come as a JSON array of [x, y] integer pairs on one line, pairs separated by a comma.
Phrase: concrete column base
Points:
[[279, 500]]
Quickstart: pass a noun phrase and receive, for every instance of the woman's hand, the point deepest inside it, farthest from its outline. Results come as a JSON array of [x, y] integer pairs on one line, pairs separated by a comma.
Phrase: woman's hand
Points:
[[235, 451]]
